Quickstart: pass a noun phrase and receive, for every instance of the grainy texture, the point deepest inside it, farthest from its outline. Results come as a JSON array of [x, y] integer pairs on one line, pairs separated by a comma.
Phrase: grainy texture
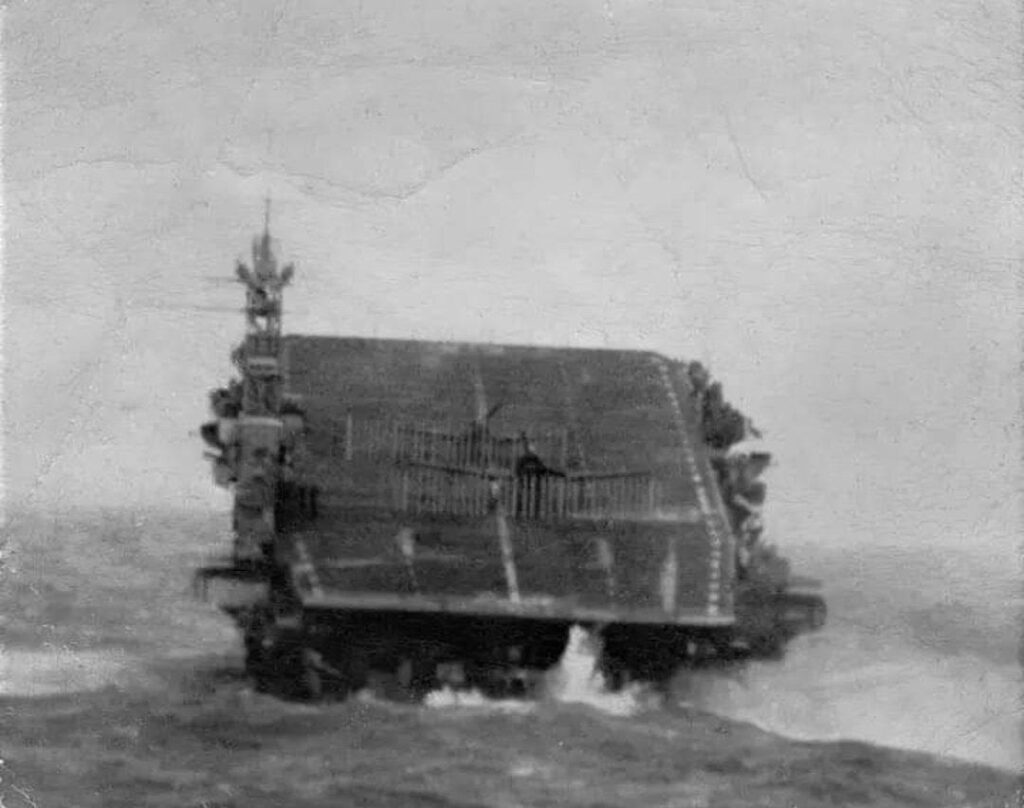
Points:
[[820, 200], [137, 699], [600, 411], [208, 743]]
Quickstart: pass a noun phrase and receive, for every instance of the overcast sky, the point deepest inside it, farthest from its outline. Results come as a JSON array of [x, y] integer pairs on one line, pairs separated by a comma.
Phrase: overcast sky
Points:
[[818, 200]]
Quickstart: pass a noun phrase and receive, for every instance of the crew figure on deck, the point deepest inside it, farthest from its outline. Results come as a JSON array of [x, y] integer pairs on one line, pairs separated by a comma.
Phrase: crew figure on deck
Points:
[[530, 473]]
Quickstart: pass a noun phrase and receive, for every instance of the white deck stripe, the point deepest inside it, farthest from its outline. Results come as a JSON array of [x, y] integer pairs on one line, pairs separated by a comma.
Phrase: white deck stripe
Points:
[[507, 557], [704, 501]]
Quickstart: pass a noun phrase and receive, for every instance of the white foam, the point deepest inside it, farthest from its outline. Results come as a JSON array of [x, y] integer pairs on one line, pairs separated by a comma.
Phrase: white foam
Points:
[[59, 671], [450, 698], [577, 679], [840, 687]]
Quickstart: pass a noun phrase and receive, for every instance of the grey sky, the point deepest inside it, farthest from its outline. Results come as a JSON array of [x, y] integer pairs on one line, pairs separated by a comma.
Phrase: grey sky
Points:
[[819, 200]]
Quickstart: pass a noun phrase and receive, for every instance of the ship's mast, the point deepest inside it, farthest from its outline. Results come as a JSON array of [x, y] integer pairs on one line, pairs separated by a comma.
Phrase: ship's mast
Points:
[[263, 310], [260, 427]]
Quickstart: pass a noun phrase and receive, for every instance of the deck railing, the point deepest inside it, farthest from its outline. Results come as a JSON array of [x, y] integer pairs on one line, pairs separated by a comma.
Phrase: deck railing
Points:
[[425, 489], [462, 470], [463, 445]]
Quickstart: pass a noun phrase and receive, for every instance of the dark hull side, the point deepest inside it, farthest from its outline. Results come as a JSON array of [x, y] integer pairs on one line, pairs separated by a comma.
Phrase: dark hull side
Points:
[[314, 647]]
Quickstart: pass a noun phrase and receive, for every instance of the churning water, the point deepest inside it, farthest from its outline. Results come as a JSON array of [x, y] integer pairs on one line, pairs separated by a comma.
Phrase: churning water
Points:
[[96, 605]]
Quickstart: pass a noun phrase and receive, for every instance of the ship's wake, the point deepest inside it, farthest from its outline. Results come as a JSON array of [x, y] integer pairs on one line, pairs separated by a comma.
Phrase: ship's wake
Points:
[[838, 686], [823, 691]]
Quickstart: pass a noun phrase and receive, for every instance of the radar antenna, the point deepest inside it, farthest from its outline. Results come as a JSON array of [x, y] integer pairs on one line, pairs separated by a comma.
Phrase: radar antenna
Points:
[[258, 356]]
